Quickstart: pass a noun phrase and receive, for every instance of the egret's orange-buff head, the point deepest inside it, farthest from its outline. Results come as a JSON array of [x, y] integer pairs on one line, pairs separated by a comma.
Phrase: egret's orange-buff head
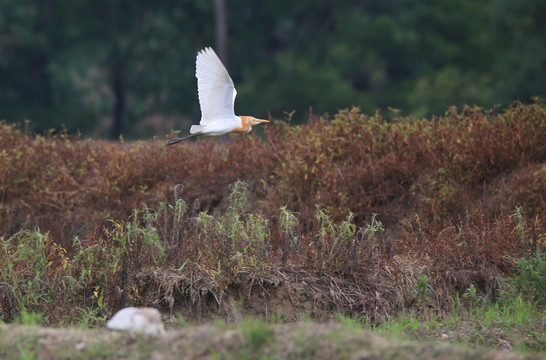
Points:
[[247, 122]]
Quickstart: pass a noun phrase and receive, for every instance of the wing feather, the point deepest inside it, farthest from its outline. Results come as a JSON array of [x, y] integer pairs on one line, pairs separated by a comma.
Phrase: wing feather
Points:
[[215, 87]]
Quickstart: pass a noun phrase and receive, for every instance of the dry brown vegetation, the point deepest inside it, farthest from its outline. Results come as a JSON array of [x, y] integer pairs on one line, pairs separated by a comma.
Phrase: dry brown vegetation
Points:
[[299, 229]]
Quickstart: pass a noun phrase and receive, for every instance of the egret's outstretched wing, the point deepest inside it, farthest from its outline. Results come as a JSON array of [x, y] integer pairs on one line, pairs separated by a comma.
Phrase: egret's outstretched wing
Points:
[[216, 90]]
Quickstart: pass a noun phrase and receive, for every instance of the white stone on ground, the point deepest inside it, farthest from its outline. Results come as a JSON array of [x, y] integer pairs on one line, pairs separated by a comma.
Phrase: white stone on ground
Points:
[[144, 320]]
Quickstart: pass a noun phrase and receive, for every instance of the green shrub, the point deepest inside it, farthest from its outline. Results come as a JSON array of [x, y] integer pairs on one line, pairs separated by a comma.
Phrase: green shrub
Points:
[[532, 277]]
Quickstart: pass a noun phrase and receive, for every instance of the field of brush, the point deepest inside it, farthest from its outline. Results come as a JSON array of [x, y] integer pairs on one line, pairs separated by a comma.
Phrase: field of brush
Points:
[[429, 229]]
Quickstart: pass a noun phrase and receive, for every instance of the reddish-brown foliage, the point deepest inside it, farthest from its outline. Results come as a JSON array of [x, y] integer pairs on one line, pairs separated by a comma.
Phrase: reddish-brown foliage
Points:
[[444, 189], [435, 169]]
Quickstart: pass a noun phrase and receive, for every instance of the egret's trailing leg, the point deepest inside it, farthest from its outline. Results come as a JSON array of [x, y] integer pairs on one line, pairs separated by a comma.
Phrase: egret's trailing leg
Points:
[[177, 140]]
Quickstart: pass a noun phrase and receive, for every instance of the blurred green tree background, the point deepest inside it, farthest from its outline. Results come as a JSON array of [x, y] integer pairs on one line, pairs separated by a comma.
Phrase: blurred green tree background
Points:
[[107, 67]]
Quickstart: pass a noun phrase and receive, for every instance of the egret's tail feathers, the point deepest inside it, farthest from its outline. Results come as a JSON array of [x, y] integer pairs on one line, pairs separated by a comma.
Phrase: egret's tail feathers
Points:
[[177, 140], [196, 129]]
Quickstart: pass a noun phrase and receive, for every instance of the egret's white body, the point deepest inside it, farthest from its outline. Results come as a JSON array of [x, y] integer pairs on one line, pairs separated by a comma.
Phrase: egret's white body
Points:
[[217, 99], [137, 320]]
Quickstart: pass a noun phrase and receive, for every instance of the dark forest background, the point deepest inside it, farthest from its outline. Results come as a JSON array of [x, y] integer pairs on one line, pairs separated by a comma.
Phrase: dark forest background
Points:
[[111, 67]]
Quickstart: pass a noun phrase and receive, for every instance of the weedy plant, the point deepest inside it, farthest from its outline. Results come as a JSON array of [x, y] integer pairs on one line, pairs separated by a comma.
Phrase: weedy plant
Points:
[[256, 333], [532, 277], [26, 274]]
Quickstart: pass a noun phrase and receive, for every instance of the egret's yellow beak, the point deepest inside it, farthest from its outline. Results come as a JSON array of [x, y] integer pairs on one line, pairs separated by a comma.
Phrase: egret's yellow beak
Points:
[[260, 120]]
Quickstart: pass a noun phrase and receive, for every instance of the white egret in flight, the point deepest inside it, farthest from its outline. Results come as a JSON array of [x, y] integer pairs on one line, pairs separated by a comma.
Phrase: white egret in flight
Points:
[[216, 98]]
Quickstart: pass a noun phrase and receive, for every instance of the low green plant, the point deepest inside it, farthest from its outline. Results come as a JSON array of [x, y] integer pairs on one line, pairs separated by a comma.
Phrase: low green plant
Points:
[[532, 277], [24, 273], [373, 228], [181, 321], [403, 326], [363, 321], [145, 232], [30, 318], [90, 317], [256, 333], [520, 228], [288, 224], [237, 237], [422, 287], [332, 237], [471, 294], [26, 348], [454, 316]]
